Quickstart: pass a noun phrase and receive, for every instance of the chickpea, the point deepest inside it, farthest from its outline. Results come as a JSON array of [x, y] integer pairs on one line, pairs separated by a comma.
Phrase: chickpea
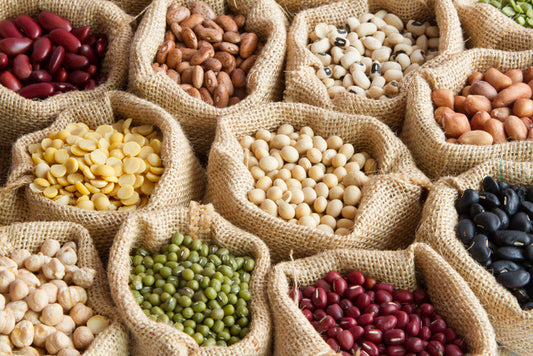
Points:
[[41, 333], [6, 277], [68, 352], [54, 269], [50, 247], [52, 314], [57, 341], [66, 325], [7, 322], [19, 256], [18, 309], [82, 337], [5, 344], [37, 300], [67, 255], [28, 351], [29, 278], [22, 334], [32, 317], [34, 262]]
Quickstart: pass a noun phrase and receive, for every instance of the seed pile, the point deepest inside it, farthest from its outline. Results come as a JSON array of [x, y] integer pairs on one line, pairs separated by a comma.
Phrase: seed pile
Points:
[[520, 11]]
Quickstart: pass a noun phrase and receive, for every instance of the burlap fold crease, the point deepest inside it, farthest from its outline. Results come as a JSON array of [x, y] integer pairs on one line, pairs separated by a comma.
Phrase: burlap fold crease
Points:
[[302, 84], [418, 266], [426, 139], [391, 203], [114, 340], [513, 326], [198, 118], [150, 230], [182, 181], [19, 116]]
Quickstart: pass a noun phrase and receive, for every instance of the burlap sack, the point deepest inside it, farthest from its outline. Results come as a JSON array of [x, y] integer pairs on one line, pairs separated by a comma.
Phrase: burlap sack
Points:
[[19, 116], [387, 214], [426, 139], [113, 340], [302, 84], [151, 230], [513, 325], [418, 266], [486, 26], [198, 118], [182, 181], [133, 7]]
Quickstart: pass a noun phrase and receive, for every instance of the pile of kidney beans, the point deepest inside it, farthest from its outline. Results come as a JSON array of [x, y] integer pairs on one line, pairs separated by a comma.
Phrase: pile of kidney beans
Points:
[[44, 57], [495, 227], [358, 316]]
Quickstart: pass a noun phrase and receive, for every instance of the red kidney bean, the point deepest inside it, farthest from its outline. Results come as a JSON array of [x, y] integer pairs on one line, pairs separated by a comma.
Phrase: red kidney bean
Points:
[[320, 298], [50, 21], [414, 344], [66, 39], [333, 344], [394, 337], [408, 308], [435, 348], [353, 312], [319, 314], [370, 348], [371, 309], [450, 334], [403, 296], [333, 298], [13, 46], [403, 319], [354, 291], [87, 51], [10, 81], [332, 276], [365, 319], [453, 350], [81, 33], [101, 79], [334, 331], [347, 322], [357, 332], [335, 311], [100, 47], [385, 323], [309, 291], [374, 335], [56, 59], [75, 61], [4, 60], [325, 323], [41, 49], [91, 40], [413, 328], [440, 337], [63, 87], [61, 75], [369, 283], [438, 325], [385, 287], [29, 26], [383, 296], [38, 90], [79, 77], [345, 304], [356, 277], [345, 339], [340, 286], [306, 303], [9, 29], [308, 315], [420, 296], [424, 333], [461, 343], [389, 308], [322, 283], [395, 351], [22, 67]]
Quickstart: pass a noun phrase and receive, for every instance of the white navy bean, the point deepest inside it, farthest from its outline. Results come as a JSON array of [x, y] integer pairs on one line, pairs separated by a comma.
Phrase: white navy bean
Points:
[[347, 81], [381, 14], [375, 69], [389, 30], [324, 58], [395, 38], [415, 27], [338, 41], [357, 66], [412, 67], [361, 79], [366, 17], [313, 36], [352, 23], [321, 30], [329, 82], [324, 73], [335, 90], [367, 61], [403, 48], [392, 88], [378, 22]]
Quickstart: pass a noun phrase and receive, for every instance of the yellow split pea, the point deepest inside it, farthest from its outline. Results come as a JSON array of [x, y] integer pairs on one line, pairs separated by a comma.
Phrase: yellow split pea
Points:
[[114, 167]]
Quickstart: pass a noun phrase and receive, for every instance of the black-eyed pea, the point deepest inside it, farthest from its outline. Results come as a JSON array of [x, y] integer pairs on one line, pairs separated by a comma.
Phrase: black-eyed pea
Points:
[[375, 92], [321, 46], [351, 23], [393, 74], [336, 54], [416, 27], [334, 90], [412, 67], [366, 29], [433, 43], [392, 88]]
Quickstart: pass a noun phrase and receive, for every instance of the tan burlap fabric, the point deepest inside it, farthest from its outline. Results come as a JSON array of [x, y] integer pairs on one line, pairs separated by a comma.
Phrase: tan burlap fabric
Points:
[[182, 181], [302, 85], [114, 339], [150, 230], [387, 214], [513, 325], [426, 139], [133, 7], [486, 26], [418, 266], [198, 118], [19, 116]]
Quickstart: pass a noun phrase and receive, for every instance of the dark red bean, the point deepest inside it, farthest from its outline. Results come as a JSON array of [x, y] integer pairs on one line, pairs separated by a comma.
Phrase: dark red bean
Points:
[[13, 46], [365, 319], [307, 303], [363, 301], [38, 90], [413, 328], [370, 348], [56, 59], [374, 335], [41, 49], [325, 323], [389, 308], [347, 322], [450, 334], [29, 26], [81, 33], [333, 344], [87, 51], [10, 81], [408, 308], [383, 296], [438, 325], [75, 61], [50, 21], [435, 348], [319, 314], [426, 321], [80, 78], [353, 312], [371, 309], [334, 331], [357, 332], [384, 286], [345, 304], [385, 323], [308, 315], [394, 337], [453, 350], [420, 296], [354, 291], [424, 333], [372, 295], [4, 60], [345, 339], [461, 343], [423, 353], [332, 276], [61, 75], [403, 319], [9, 29], [22, 67], [427, 309], [308, 291], [340, 286], [91, 40], [320, 298], [402, 296], [333, 298], [395, 351], [440, 337], [356, 277], [335, 311], [295, 294], [63, 87], [100, 47], [66, 39], [369, 283], [322, 283], [414, 344], [344, 353]]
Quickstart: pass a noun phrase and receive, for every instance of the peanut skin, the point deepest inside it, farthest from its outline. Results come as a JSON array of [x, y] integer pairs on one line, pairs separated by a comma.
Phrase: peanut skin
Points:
[[476, 137], [515, 128], [443, 97], [479, 119], [511, 94], [455, 125], [495, 128]]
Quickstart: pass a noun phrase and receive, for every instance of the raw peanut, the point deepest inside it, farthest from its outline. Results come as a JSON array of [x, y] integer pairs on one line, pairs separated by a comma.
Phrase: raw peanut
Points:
[[475, 76], [495, 128], [203, 9], [476, 137], [248, 63], [248, 44], [516, 75], [500, 113], [466, 90], [514, 127], [530, 134], [189, 38], [238, 78], [511, 94], [459, 104], [451, 140], [479, 120], [192, 21], [475, 103], [174, 58], [176, 14], [197, 77], [227, 23], [527, 122], [201, 55], [162, 53], [443, 97], [221, 96], [497, 79], [455, 125], [206, 96], [523, 107], [50, 21], [212, 64], [440, 112], [529, 75], [481, 87]]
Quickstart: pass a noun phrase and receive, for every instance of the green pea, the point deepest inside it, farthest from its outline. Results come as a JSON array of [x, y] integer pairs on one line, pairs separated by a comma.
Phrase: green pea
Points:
[[157, 311], [210, 292], [186, 264], [170, 304], [229, 309], [137, 296], [198, 317], [170, 314], [233, 340], [187, 274], [169, 288], [209, 342], [202, 329], [177, 239], [199, 338], [235, 330], [213, 249], [245, 277], [148, 280], [187, 291], [173, 248], [187, 240], [213, 304], [157, 267], [244, 332], [188, 331], [197, 268], [235, 289], [219, 276], [142, 252], [249, 264], [232, 299], [164, 249], [187, 313], [165, 272], [227, 280], [146, 289], [221, 343], [179, 326], [153, 317], [189, 324], [222, 251], [204, 250], [243, 322], [177, 271], [240, 303], [209, 322], [245, 294], [241, 311], [239, 261], [196, 244], [182, 284], [146, 312], [215, 284], [146, 305], [154, 299], [210, 265], [229, 320], [159, 283], [217, 314], [184, 301], [178, 308], [198, 306], [202, 261], [521, 20], [173, 280], [178, 318], [508, 11], [160, 259], [199, 296]]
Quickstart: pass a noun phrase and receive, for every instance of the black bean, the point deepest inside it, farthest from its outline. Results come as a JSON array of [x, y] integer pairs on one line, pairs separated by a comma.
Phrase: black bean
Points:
[[520, 221], [515, 254], [501, 266], [521, 295], [503, 185], [491, 185], [504, 218], [479, 248], [510, 201], [466, 230], [470, 196], [528, 306], [527, 207], [487, 222], [521, 192], [475, 209], [511, 238], [529, 252], [529, 196], [514, 279], [489, 200]]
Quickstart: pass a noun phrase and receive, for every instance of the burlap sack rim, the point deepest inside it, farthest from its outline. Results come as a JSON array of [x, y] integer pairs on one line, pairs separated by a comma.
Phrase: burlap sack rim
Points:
[[76, 233], [170, 162], [137, 320], [141, 74], [282, 271], [117, 75]]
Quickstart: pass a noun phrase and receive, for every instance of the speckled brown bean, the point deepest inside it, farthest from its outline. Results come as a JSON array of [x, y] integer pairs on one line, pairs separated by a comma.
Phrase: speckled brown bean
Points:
[[212, 64], [169, 36], [186, 87], [192, 21], [182, 67], [227, 23], [175, 76], [527, 122], [201, 55], [206, 96], [240, 20], [197, 77], [194, 93], [203, 9], [220, 96], [208, 34], [177, 13], [213, 25], [226, 60], [232, 37], [238, 78], [248, 63], [248, 44], [210, 81], [176, 30], [157, 68], [224, 78], [162, 54], [202, 44], [227, 47], [174, 58], [530, 134], [240, 93], [189, 38], [186, 76], [187, 53], [233, 100]]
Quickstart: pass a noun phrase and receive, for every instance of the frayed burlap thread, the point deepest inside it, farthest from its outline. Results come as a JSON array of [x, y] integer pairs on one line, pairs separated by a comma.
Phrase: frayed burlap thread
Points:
[[418, 266], [513, 326], [150, 230], [426, 139], [198, 118], [182, 181], [391, 203], [19, 116], [113, 341], [133, 7], [302, 84]]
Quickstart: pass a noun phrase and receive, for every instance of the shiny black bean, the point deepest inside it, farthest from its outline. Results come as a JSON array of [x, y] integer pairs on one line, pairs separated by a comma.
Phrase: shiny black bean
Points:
[[515, 279], [479, 248], [469, 197], [489, 200], [511, 238], [475, 209], [466, 230], [521, 192], [487, 222], [503, 185], [529, 252], [527, 207], [520, 221], [528, 306], [491, 185], [529, 195], [504, 218], [510, 201], [515, 254], [521, 295], [501, 266]]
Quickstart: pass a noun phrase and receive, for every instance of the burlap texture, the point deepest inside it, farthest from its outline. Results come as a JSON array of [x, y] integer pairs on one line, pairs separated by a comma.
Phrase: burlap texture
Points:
[[113, 340], [151, 230], [198, 118], [387, 214], [418, 266], [133, 7], [19, 116], [426, 139], [302, 84], [513, 326], [486, 26], [182, 181]]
